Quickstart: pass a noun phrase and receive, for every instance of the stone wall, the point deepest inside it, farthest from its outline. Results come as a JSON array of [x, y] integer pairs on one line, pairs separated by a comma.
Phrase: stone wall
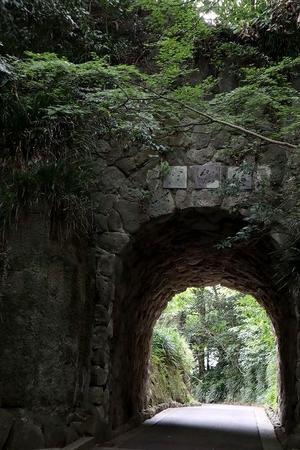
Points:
[[46, 310], [77, 328]]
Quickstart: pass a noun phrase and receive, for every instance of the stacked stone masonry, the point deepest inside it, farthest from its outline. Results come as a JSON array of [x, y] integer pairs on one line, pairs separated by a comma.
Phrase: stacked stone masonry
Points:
[[77, 316]]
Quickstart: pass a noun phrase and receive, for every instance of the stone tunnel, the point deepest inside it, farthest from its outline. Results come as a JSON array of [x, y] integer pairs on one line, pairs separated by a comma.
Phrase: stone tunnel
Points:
[[77, 314]]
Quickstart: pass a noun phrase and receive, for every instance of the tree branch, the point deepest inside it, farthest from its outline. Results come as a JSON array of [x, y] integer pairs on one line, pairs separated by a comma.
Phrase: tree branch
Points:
[[225, 123]]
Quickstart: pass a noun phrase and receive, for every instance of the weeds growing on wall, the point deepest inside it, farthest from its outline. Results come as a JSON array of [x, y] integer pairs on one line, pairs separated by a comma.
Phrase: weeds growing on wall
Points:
[[53, 114], [171, 367]]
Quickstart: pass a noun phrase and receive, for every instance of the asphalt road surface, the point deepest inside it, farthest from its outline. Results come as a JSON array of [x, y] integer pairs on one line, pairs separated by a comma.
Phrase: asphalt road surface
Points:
[[208, 427]]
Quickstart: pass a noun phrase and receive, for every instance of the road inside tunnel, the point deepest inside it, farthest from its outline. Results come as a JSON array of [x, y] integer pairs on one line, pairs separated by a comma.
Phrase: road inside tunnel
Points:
[[207, 427]]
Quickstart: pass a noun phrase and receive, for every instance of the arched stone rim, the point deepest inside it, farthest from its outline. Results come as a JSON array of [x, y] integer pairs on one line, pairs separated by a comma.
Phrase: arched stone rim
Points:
[[167, 255]]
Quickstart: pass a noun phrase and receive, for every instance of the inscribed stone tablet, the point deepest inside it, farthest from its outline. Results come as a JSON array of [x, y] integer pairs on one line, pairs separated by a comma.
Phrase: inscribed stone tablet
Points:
[[176, 178], [207, 176], [242, 180]]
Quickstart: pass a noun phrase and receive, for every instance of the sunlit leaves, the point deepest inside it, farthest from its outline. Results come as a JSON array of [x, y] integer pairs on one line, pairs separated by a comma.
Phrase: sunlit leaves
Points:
[[232, 340]]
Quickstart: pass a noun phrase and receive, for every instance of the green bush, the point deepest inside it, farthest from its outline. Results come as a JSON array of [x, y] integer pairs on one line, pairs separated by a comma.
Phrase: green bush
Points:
[[172, 363], [234, 348]]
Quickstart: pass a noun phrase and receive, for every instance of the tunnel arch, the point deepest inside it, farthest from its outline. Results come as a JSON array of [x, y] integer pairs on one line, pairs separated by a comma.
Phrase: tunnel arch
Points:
[[151, 236], [168, 254]]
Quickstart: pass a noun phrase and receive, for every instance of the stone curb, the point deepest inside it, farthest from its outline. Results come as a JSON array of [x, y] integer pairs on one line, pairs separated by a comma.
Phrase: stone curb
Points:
[[266, 431], [85, 443]]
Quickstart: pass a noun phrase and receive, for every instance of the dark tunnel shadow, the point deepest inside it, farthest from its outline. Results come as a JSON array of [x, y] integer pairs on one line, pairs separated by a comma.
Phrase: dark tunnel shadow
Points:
[[235, 433]]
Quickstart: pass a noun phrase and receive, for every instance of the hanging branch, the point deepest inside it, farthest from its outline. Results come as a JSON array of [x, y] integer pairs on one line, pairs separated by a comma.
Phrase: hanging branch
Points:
[[225, 123]]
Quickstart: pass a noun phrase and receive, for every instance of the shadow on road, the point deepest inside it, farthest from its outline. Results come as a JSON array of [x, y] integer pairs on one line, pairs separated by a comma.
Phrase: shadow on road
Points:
[[194, 428]]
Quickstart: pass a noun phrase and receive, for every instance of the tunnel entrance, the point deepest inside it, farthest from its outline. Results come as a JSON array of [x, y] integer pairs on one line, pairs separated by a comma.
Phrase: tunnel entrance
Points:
[[170, 253], [213, 345]]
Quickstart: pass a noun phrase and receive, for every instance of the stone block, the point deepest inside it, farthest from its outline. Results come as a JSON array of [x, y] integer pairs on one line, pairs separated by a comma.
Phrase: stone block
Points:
[[220, 140], [101, 315], [162, 203], [207, 198], [126, 165], [105, 291], [113, 242], [176, 178], [98, 341], [207, 176], [96, 395], [103, 202], [130, 213], [200, 156], [101, 356], [111, 179], [105, 262], [202, 139], [239, 178], [99, 337], [114, 221], [101, 222], [98, 375], [182, 199]]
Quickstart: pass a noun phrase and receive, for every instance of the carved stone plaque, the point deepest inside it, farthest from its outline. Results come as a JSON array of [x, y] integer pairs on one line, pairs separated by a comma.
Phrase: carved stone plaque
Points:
[[176, 178], [207, 176], [242, 180]]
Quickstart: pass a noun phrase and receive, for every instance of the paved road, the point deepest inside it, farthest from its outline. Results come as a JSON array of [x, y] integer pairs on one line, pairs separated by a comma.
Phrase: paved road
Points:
[[208, 427]]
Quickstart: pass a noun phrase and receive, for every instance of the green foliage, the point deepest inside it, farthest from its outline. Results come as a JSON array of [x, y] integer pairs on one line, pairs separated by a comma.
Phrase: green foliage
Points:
[[232, 341], [234, 13], [276, 29], [172, 350], [164, 169], [171, 366], [258, 356], [166, 385], [53, 113], [76, 29], [176, 27], [44, 25], [230, 56], [266, 101], [55, 108], [272, 26]]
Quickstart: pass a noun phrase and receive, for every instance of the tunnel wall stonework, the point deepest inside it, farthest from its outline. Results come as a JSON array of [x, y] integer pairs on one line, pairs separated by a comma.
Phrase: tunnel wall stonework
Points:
[[77, 317]]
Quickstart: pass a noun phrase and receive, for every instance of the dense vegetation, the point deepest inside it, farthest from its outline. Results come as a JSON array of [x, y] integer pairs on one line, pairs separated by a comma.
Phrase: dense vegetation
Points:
[[232, 344], [73, 72], [171, 364]]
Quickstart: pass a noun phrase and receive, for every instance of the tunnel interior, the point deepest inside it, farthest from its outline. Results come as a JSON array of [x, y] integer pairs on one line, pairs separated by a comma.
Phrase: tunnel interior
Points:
[[169, 254]]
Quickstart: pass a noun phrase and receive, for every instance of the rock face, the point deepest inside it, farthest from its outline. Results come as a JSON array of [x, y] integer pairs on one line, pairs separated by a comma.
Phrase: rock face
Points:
[[77, 317]]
